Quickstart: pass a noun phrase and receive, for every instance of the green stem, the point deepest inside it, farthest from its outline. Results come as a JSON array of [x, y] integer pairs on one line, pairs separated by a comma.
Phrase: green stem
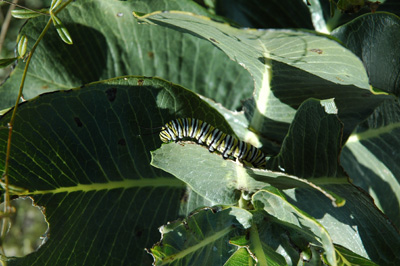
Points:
[[7, 206], [257, 246]]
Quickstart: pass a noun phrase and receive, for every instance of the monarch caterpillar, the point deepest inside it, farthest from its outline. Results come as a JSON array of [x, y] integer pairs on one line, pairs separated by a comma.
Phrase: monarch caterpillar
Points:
[[214, 138]]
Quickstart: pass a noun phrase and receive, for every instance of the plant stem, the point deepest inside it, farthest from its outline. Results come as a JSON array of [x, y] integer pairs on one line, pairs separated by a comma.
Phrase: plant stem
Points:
[[10, 129], [7, 206]]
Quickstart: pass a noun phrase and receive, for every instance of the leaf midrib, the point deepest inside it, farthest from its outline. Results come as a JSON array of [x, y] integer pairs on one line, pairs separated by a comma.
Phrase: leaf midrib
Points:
[[373, 133], [124, 184], [200, 244]]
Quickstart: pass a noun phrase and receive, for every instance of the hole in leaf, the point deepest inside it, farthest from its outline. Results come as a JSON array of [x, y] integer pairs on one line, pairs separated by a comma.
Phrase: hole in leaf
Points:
[[139, 232], [111, 94], [28, 228], [78, 122]]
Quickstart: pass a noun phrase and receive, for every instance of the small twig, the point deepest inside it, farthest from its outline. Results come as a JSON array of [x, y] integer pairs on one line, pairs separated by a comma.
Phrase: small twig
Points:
[[6, 23]]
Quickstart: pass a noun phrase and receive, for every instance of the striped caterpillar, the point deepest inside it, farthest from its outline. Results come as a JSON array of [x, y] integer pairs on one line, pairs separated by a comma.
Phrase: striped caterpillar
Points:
[[214, 138]]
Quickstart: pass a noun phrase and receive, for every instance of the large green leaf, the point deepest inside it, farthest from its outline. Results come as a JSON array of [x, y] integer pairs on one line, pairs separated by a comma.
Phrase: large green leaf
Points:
[[371, 155], [371, 37], [371, 158], [272, 54], [326, 17], [233, 236], [358, 225], [341, 18], [270, 198], [222, 181], [346, 257], [312, 146], [84, 156], [310, 150], [253, 49], [108, 42], [217, 180]]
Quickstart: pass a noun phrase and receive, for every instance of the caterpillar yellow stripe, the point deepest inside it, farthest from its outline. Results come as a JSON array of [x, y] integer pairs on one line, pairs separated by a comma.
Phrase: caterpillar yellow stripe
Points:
[[214, 138]]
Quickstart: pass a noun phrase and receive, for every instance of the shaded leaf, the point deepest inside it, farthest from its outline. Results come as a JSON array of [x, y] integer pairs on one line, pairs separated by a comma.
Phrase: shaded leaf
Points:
[[332, 17], [274, 203], [268, 44], [350, 6], [88, 166], [221, 181], [124, 47], [192, 201], [240, 125], [313, 144], [371, 37], [371, 158], [346, 257], [371, 155], [268, 14], [358, 226], [214, 236], [264, 248], [202, 239], [240, 257], [7, 61], [241, 241], [268, 53]]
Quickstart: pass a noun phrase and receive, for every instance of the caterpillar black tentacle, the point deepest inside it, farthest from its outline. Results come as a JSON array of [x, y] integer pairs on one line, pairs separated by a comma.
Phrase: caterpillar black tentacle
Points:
[[214, 138]]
